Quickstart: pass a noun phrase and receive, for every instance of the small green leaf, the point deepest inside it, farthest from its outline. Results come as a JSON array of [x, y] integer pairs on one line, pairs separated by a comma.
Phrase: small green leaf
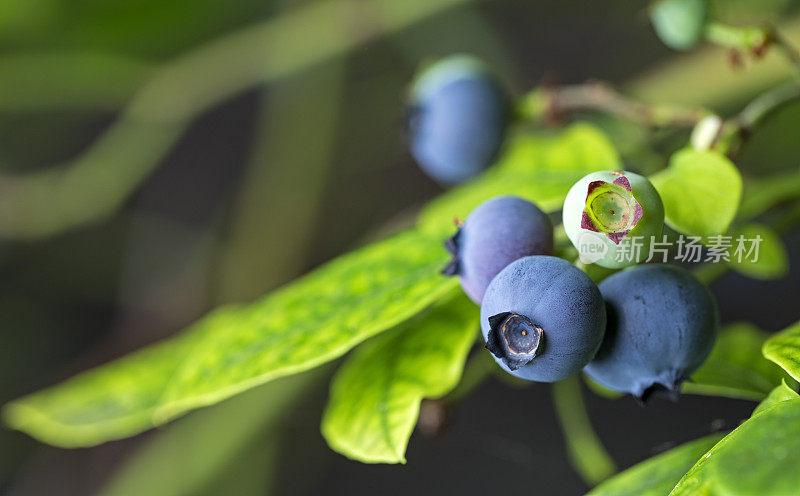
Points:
[[656, 476], [780, 393], [771, 260], [758, 458], [736, 368], [375, 396], [309, 322], [701, 192], [541, 169], [783, 348]]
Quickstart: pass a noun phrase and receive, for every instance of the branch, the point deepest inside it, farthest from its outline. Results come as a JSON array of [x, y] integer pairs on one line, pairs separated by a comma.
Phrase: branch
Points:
[[553, 104]]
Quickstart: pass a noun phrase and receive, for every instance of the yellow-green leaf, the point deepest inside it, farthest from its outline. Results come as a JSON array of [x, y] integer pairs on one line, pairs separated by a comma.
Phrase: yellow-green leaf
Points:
[[656, 476], [758, 458], [780, 393], [770, 261], [783, 348], [701, 191], [375, 396], [311, 321]]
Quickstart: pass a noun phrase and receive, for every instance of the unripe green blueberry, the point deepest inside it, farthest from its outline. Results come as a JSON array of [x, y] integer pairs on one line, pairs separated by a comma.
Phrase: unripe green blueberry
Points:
[[680, 24], [612, 217]]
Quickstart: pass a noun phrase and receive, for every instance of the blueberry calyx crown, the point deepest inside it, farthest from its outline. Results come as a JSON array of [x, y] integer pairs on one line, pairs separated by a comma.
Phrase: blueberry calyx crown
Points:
[[668, 385], [452, 245], [611, 208], [513, 338]]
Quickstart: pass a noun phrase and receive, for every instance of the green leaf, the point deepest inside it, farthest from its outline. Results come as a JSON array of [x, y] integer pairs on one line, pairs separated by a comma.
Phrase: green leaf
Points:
[[541, 169], [375, 396], [736, 368], [783, 348], [213, 436], [701, 192], [757, 458], [309, 322], [780, 393], [656, 476], [771, 261]]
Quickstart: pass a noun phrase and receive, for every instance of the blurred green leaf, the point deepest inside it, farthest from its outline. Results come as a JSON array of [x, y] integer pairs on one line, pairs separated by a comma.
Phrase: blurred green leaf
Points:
[[656, 476], [783, 348], [375, 396], [701, 192], [763, 194], [586, 452], [309, 322], [213, 437], [541, 169], [780, 393], [772, 261], [758, 457], [736, 368], [112, 402]]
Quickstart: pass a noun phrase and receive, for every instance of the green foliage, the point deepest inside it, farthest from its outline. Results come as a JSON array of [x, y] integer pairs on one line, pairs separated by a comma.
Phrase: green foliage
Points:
[[656, 476], [307, 323], [736, 368], [780, 393], [772, 262], [784, 349], [758, 457], [541, 169], [701, 192], [375, 396]]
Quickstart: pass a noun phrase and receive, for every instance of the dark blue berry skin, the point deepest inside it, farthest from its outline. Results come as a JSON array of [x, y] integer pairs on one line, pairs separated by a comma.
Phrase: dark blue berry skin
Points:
[[457, 120], [542, 319], [662, 323], [497, 232]]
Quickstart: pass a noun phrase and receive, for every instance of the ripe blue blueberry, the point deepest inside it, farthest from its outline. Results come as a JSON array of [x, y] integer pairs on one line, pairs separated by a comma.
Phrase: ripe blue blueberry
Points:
[[680, 24], [497, 232], [662, 323], [612, 218], [542, 318], [458, 114]]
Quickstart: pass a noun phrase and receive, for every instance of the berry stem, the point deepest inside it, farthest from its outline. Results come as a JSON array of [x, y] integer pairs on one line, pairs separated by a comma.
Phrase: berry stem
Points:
[[586, 451], [767, 103], [554, 103]]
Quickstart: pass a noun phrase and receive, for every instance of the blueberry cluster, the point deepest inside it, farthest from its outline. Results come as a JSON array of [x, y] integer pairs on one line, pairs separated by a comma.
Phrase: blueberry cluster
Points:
[[642, 330]]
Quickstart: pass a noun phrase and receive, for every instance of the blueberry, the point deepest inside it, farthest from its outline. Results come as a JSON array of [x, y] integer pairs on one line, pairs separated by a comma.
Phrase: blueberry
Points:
[[662, 323], [612, 217], [542, 318], [497, 232], [680, 24], [457, 118]]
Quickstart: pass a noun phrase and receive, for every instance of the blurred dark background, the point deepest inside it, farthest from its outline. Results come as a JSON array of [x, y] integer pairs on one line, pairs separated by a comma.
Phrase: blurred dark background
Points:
[[186, 188]]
